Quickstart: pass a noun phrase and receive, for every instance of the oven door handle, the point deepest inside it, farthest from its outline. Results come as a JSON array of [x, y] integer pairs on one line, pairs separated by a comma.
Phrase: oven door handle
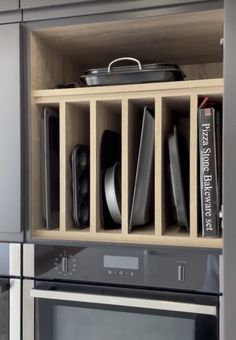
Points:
[[163, 305]]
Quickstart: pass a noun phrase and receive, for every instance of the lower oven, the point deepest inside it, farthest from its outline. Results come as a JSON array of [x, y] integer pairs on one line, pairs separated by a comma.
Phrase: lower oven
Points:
[[10, 291], [120, 293]]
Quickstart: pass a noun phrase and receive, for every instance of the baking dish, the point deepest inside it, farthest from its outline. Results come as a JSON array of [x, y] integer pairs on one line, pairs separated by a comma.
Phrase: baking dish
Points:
[[132, 74]]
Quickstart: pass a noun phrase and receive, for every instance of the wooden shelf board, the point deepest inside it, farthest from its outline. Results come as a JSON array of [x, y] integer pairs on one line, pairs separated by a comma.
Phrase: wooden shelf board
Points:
[[44, 229], [67, 235], [191, 242], [76, 230], [143, 230], [54, 95], [129, 239], [177, 231], [109, 231]]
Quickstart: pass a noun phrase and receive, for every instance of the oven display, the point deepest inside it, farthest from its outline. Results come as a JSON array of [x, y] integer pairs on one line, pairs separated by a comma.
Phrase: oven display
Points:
[[121, 262]]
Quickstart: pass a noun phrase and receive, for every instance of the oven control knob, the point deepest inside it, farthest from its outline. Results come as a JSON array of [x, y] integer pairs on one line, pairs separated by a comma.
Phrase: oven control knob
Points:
[[64, 264]]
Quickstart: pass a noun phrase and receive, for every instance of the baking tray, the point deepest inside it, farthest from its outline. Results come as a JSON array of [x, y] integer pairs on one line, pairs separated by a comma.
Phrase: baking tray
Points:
[[139, 73], [110, 153], [50, 167], [80, 185], [143, 187], [112, 184], [176, 179]]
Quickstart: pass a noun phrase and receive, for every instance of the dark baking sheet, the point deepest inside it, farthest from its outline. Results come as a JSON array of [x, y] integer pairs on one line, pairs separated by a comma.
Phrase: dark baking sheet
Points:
[[176, 148]]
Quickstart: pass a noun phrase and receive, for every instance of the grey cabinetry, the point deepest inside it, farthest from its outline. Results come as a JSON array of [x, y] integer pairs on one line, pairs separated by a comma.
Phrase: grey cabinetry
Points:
[[10, 11], [229, 167], [45, 3], [52, 9], [9, 5], [10, 144]]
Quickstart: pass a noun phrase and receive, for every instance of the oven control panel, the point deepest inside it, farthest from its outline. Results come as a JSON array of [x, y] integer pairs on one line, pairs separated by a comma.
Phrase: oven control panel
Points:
[[88, 264], [65, 264], [162, 268]]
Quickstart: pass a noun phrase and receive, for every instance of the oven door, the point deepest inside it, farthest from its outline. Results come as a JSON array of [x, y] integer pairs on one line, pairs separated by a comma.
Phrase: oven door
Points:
[[67, 311], [10, 309]]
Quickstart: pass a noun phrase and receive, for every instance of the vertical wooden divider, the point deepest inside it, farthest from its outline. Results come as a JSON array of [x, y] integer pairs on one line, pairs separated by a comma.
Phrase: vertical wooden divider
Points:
[[158, 166], [125, 166], [193, 178], [163, 130], [93, 168], [62, 189]]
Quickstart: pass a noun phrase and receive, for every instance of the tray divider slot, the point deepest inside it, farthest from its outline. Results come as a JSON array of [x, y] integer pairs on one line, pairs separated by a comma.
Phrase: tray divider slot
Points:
[[175, 113], [108, 117], [137, 138], [37, 198], [134, 128], [77, 132]]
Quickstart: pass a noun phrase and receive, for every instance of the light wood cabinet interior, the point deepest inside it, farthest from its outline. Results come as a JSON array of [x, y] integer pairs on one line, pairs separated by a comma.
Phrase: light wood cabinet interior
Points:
[[61, 54]]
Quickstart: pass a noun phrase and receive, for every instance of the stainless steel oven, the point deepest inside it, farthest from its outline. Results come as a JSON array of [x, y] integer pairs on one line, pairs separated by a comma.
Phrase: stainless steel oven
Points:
[[10, 291], [119, 293]]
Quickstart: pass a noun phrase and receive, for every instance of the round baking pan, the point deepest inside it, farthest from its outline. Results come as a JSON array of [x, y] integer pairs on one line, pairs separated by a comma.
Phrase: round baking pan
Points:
[[112, 185]]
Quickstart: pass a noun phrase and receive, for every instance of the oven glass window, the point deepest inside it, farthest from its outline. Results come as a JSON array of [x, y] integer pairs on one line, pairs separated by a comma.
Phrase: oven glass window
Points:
[[57, 320], [4, 309], [106, 325]]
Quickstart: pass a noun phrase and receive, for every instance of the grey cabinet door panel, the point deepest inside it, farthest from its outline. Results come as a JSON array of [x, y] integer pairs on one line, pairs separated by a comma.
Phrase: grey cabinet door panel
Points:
[[9, 5], [10, 16], [45, 3], [10, 126]]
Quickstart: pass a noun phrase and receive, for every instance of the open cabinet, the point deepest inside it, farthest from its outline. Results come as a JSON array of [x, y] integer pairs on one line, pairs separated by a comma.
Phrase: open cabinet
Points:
[[60, 55]]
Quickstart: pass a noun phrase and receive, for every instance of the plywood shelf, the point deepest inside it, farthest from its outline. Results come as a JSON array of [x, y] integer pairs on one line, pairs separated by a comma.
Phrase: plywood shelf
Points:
[[84, 114], [137, 91], [145, 239]]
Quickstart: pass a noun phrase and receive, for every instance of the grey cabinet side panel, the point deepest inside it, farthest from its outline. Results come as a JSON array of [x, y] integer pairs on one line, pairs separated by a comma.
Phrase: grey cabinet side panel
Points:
[[9, 5], [10, 125], [229, 167]]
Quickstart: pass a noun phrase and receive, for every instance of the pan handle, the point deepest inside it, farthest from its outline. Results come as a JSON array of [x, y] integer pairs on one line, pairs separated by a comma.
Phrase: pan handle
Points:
[[124, 58]]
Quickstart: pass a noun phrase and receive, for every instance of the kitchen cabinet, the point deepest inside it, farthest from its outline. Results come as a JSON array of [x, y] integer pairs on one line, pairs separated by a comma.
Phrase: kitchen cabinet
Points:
[[229, 163], [9, 5], [10, 134], [60, 50], [229, 170], [10, 11], [45, 3], [34, 10]]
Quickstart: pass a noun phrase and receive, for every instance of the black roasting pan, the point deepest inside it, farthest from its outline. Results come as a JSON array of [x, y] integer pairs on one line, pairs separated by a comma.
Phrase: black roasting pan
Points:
[[146, 73]]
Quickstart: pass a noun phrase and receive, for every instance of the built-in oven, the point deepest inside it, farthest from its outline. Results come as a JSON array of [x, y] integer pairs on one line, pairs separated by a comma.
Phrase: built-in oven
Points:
[[10, 291], [120, 293]]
